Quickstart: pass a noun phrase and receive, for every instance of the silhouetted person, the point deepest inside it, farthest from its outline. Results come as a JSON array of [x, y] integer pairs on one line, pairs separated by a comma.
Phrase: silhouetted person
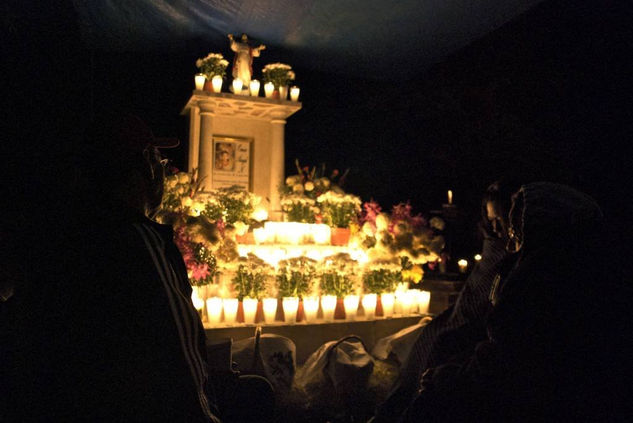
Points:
[[103, 328], [457, 330]]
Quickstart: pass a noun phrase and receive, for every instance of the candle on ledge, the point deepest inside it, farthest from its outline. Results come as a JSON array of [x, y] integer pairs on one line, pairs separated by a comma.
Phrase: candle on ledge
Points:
[[254, 87], [328, 305], [387, 299], [269, 87], [310, 308], [250, 309], [294, 93], [415, 300], [270, 309], [406, 301], [216, 83], [477, 257], [214, 310], [424, 298], [463, 265], [237, 86], [290, 305], [350, 302], [450, 197], [230, 310], [199, 81], [369, 305]]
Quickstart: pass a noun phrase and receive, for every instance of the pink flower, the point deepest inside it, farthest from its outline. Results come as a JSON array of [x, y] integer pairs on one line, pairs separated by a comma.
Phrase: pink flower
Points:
[[200, 271]]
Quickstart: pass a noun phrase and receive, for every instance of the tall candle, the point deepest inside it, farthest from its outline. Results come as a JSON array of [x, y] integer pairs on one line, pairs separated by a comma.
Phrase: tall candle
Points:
[[254, 88], [250, 309], [294, 93], [199, 80], [350, 302], [269, 87], [424, 299], [230, 310], [290, 305], [310, 308], [214, 310], [216, 83], [450, 197], [387, 299], [237, 86], [369, 305], [270, 309], [328, 305]]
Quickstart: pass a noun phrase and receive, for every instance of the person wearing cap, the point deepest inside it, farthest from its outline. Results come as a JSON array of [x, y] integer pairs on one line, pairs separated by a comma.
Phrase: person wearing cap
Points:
[[104, 328]]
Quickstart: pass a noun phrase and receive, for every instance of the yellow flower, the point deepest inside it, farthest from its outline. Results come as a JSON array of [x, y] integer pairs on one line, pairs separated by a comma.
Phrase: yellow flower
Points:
[[183, 177], [309, 186]]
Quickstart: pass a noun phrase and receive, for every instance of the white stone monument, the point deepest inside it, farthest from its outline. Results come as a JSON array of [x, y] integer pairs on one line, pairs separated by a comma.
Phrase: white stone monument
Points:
[[239, 140]]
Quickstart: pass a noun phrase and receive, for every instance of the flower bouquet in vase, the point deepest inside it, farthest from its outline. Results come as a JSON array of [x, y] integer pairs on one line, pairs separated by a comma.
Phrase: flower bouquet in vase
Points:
[[213, 67], [280, 75], [339, 210]]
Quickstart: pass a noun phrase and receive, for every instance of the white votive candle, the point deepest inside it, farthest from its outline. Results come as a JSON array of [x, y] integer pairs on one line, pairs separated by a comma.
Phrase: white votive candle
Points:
[[406, 301], [328, 305], [415, 300], [369, 305], [310, 308], [269, 88], [216, 83], [290, 305], [230, 310], [387, 299], [270, 309], [199, 80], [350, 302], [294, 93], [249, 306], [214, 310]]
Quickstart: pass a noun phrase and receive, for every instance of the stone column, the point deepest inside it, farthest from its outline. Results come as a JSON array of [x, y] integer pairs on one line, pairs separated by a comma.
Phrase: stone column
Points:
[[194, 139], [205, 161], [276, 163]]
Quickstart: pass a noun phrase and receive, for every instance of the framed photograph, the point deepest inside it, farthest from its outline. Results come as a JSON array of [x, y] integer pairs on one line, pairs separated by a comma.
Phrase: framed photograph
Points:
[[231, 162]]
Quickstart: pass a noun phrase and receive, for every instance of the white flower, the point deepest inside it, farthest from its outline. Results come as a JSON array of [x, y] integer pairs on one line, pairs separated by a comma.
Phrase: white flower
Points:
[[382, 222], [309, 186], [293, 180], [171, 181], [298, 188], [325, 182], [240, 228], [186, 201], [437, 223], [199, 63], [183, 177]]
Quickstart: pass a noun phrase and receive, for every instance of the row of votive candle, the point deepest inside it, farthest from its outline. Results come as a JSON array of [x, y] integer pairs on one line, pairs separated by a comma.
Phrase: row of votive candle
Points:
[[224, 310], [238, 87], [293, 233]]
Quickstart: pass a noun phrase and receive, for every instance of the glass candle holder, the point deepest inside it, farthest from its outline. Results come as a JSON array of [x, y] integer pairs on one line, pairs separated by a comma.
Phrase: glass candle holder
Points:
[[369, 305], [290, 305], [216, 83], [269, 88], [387, 299], [294, 93], [249, 305], [270, 309], [254, 87], [310, 308], [424, 298], [328, 305], [350, 302], [214, 310], [230, 310], [199, 80]]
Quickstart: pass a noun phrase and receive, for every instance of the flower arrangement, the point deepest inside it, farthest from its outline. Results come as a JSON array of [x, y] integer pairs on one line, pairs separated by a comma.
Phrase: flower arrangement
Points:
[[299, 208], [378, 281], [295, 277], [201, 264], [280, 74], [231, 205], [250, 281], [339, 210], [211, 65], [338, 276]]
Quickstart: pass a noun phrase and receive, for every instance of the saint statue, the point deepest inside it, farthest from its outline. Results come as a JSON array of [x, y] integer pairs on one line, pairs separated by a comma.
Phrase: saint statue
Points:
[[243, 61]]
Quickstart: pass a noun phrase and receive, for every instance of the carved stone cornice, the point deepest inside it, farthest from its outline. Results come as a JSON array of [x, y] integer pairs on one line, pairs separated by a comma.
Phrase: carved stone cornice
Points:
[[230, 105]]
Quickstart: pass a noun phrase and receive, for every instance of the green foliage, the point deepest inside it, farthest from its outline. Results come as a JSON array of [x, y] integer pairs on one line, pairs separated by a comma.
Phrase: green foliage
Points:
[[382, 280], [295, 277], [203, 256], [334, 283], [299, 213], [249, 283], [232, 204], [339, 215]]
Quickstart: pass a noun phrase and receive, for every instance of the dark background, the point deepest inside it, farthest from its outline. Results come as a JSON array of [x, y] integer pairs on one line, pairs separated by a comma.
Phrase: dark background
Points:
[[546, 96]]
